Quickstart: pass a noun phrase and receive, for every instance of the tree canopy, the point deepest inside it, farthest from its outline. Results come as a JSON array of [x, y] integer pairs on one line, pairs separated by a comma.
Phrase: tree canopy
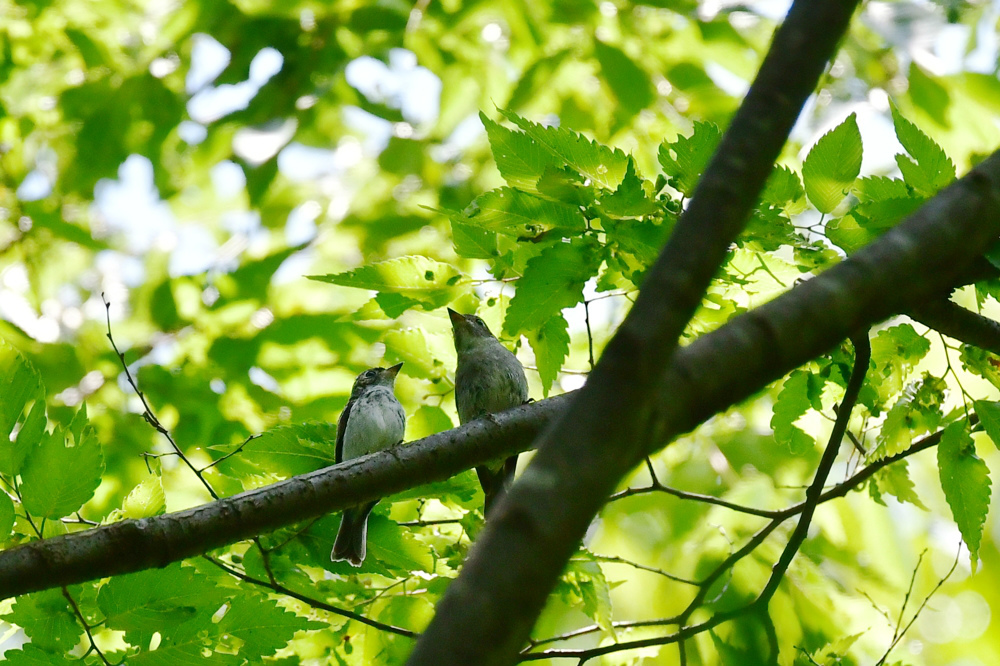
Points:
[[760, 338]]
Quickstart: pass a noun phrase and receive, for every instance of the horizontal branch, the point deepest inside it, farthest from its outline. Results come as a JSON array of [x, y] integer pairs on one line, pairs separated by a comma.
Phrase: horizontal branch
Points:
[[134, 545], [956, 322]]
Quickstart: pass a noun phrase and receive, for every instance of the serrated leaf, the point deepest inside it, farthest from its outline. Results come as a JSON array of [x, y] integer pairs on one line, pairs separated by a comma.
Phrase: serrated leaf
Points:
[[424, 354], [931, 168], [783, 188], [895, 352], [685, 159], [982, 363], [396, 547], [915, 413], [32, 655], [551, 346], [473, 242], [602, 165], [552, 281], [895, 480], [426, 421], [521, 215], [429, 282], [847, 233], [285, 451], [792, 403], [6, 516], [63, 471], [46, 618], [880, 188], [22, 402], [965, 480], [594, 590], [629, 199], [146, 499], [158, 600], [520, 159], [262, 625], [989, 416], [629, 83], [884, 214], [832, 165]]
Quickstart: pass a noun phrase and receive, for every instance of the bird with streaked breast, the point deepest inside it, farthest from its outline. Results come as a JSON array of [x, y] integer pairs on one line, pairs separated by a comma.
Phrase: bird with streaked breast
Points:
[[489, 379], [372, 420]]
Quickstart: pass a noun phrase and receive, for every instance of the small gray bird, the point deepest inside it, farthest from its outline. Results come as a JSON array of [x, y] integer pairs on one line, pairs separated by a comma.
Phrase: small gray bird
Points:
[[372, 420], [489, 379]]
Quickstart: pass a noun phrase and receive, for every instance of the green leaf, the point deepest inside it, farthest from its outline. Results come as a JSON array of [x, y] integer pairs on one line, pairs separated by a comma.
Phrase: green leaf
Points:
[[22, 402], [552, 281], [895, 480], [989, 416], [424, 354], [895, 352], [521, 215], [594, 590], [427, 420], [6, 516], [783, 188], [629, 200], [602, 165], [551, 346], [63, 471], [157, 600], [930, 169], [146, 499], [916, 412], [965, 480], [520, 159], [832, 165], [47, 619], [473, 242], [685, 159], [848, 234], [396, 547], [286, 451], [261, 625], [429, 282], [880, 188], [32, 655], [629, 83], [792, 403]]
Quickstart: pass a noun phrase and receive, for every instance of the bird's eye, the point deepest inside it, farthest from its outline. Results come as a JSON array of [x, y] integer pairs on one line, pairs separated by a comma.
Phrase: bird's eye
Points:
[[370, 374]]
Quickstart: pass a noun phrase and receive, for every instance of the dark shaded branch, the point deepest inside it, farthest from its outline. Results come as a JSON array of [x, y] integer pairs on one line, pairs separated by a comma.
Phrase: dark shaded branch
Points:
[[928, 253], [862, 357], [956, 322], [486, 615]]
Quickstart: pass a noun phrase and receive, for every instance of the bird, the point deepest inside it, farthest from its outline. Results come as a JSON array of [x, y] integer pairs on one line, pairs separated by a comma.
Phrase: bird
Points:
[[372, 420], [489, 379]]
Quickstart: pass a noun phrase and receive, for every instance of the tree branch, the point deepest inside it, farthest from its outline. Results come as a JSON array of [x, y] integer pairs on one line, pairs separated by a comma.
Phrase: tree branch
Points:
[[486, 615], [158, 541], [956, 322]]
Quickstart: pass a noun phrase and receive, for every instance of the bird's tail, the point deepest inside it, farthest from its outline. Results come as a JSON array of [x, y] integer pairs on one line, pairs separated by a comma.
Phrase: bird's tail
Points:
[[352, 537], [495, 482]]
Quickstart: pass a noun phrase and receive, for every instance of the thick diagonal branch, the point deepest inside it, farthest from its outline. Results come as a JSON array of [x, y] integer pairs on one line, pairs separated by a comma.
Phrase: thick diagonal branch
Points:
[[487, 614]]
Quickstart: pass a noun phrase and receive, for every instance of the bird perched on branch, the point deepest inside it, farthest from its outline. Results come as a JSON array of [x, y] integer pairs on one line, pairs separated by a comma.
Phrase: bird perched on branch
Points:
[[372, 420], [489, 379]]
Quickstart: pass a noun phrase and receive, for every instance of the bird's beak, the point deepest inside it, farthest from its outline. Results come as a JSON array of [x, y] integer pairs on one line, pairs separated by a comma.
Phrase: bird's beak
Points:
[[456, 318], [394, 370]]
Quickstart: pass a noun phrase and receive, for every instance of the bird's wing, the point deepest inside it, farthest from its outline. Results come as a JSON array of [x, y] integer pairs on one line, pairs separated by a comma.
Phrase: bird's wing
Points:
[[341, 429]]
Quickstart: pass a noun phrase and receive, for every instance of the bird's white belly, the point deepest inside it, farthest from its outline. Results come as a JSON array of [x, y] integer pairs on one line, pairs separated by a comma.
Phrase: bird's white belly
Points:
[[374, 424]]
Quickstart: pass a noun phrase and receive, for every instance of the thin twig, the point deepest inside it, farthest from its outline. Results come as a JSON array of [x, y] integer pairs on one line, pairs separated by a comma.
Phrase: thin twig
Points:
[[315, 603]]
